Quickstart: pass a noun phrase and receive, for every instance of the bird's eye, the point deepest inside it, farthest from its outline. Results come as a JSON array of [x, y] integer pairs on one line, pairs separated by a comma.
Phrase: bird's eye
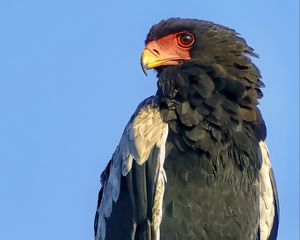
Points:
[[185, 39]]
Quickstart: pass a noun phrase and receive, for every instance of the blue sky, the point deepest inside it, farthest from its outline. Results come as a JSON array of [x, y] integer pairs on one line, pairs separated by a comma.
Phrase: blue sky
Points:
[[70, 80]]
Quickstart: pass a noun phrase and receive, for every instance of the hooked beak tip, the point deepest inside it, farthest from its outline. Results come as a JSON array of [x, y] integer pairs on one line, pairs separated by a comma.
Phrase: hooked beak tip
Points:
[[144, 68]]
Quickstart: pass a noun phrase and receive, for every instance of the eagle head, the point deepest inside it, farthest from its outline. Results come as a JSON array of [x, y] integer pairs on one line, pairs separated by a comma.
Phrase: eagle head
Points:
[[206, 65]]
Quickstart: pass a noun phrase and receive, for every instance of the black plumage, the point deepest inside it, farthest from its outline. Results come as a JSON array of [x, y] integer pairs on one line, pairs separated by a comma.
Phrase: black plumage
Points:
[[213, 157]]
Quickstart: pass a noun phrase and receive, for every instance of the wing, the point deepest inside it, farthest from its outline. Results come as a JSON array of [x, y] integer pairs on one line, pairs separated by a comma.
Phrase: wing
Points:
[[130, 201], [269, 205]]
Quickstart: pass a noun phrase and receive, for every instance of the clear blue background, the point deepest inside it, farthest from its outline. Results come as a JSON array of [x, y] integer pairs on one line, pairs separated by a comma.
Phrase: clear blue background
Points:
[[70, 80]]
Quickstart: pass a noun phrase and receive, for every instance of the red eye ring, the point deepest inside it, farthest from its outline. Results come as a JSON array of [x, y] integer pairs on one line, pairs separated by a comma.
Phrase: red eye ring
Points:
[[185, 39]]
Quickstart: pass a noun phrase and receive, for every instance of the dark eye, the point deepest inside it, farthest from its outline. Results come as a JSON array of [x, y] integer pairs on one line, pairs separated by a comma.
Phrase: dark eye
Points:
[[185, 39]]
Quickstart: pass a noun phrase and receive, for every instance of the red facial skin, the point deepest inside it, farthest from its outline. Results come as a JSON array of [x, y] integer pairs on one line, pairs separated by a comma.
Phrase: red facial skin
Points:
[[169, 50]]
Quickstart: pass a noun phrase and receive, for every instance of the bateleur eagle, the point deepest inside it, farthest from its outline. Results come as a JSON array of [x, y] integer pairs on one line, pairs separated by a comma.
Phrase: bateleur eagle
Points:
[[192, 162]]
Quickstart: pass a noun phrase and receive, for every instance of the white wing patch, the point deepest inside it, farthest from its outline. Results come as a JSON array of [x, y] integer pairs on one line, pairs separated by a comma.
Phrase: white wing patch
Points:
[[160, 188], [145, 130], [267, 199]]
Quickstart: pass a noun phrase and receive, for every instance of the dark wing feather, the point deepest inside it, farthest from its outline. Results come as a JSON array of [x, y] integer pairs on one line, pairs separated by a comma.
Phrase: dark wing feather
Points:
[[269, 203], [130, 201]]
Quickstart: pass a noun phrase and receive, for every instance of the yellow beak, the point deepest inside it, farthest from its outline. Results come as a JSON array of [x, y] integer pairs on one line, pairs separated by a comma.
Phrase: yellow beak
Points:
[[157, 54], [149, 60]]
